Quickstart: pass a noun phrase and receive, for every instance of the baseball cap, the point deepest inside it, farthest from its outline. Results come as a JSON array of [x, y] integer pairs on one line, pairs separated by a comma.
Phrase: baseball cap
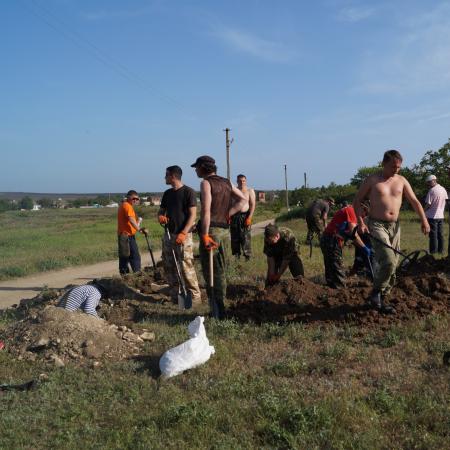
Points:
[[205, 159], [430, 178]]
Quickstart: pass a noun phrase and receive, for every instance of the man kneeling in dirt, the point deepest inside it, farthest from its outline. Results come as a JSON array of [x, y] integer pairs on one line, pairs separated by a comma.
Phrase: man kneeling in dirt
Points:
[[85, 297], [341, 228], [282, 251]]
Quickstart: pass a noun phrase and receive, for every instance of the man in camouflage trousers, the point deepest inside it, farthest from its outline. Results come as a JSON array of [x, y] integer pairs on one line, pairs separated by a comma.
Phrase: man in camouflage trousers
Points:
[[241, 222], [282, 250], [316, 217], [177, 213], [217, 195]]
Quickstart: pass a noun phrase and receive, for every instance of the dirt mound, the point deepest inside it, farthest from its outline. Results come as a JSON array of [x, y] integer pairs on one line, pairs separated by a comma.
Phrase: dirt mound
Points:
[[428, 264], [423, 290], [57, 335], [146, 281], [136, 286], [127, 312]]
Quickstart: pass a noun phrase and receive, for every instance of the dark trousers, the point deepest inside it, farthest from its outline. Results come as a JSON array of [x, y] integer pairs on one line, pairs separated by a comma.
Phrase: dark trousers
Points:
[[436, 235], [240, 236], [216, 294], [134, 260], [333, 260], [295, 265]]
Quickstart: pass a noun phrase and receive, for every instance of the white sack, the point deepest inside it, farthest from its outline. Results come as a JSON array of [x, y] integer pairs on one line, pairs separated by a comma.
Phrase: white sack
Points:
[[189, 354]]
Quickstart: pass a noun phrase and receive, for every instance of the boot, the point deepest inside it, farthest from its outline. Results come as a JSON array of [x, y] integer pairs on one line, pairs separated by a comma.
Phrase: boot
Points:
[[386, 309], [374, 300]]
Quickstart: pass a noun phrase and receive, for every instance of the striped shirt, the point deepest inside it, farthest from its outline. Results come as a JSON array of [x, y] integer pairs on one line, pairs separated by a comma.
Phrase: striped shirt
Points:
[[436, 200], [85, 297]]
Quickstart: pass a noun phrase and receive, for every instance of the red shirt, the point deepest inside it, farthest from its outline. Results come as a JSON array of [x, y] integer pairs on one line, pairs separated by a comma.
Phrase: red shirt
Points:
[[346, 214]]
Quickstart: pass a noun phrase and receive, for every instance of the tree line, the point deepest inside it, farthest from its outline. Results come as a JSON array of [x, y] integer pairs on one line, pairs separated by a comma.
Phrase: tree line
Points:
[[433, 162]]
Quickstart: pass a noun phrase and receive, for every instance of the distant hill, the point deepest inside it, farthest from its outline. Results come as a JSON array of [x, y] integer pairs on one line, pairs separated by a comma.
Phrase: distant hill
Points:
[[56, 196]]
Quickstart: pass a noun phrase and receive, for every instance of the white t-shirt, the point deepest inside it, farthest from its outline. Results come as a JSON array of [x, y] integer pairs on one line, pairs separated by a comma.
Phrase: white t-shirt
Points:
[[436, 199]]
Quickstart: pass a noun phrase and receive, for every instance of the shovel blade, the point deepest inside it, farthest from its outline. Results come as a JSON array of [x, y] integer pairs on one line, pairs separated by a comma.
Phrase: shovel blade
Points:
[[185, 301]]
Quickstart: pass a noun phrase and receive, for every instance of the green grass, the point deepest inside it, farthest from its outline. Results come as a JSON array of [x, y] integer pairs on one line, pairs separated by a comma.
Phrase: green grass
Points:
[[39, 241], [266, 387], [51, 239], [271, 386]]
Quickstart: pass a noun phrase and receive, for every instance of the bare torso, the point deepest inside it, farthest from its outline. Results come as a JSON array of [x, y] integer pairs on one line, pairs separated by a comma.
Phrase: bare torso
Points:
[[385, 197], [248, 194]]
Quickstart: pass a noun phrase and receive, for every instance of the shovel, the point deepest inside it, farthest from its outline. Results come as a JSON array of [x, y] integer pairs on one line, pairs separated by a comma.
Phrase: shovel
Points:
[[212, 301], [408, 259], [157, 274], [369, 264], [184, 297]]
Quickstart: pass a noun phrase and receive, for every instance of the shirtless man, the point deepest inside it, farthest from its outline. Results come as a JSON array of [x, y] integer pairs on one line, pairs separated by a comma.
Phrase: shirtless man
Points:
[[385, 192], [241, 222]]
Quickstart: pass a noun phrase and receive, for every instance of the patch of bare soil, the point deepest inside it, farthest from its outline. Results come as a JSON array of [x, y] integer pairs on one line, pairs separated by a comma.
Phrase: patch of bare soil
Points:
[[47, 332], [127, 312], [56, 335], [145, 281], [422, 290]]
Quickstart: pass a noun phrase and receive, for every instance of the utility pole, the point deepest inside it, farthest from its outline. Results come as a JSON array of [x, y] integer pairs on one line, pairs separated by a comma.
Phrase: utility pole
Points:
[[285, 181], [305, 178], [227, 141]]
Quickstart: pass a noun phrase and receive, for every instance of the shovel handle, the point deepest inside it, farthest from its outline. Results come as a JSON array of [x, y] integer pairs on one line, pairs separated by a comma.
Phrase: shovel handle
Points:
[[211, 268], [150, 251]]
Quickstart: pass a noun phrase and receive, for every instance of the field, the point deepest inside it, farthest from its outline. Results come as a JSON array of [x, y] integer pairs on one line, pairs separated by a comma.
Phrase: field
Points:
[[335, 384], [51, 239]]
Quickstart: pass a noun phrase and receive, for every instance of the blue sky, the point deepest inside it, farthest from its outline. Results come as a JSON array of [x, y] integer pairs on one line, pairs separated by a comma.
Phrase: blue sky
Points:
[[101, 96]]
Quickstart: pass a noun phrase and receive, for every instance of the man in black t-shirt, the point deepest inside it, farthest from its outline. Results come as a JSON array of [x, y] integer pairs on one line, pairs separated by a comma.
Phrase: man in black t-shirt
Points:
[[177, 212]]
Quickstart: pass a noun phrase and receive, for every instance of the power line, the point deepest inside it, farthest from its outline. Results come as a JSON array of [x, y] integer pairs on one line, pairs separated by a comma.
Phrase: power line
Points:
[[81, 42]]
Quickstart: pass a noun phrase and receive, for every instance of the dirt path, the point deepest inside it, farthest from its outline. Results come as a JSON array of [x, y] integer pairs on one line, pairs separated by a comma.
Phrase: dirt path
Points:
[[12, 291]]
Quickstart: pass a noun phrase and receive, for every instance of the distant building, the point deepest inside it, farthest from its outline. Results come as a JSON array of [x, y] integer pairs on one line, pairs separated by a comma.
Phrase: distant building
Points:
[[154, 200], [95, 205], [36, 207], [112, 205], [60, 203]]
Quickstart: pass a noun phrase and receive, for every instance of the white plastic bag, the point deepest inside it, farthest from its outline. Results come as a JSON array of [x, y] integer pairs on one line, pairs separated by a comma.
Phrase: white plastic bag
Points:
[[189, 354]]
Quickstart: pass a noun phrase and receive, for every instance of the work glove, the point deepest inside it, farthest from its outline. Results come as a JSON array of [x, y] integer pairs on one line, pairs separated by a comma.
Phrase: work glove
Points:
[[209, 242], [144, 231], [163, 220], [181, 237], [368, 251], [248, 222]]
